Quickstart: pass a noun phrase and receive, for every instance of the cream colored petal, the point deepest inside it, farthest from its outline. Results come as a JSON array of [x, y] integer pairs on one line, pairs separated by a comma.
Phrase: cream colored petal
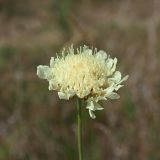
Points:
[[117, 76], [97, 106], [115, 80], [109, 90], [92, 115], [99, 98], [71, 94], [93, 106], [124, 79], [51, 86], [109, 63], [63, 96], [101, 55], [42, 71], [52, 62], [71, 50], [118, 87], [113, 95], [114, 65], [88, 51], [86, 92], [90, 105]]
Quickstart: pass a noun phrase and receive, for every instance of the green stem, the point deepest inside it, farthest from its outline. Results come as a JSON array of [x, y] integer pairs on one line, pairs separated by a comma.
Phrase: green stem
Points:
[[79, 128]]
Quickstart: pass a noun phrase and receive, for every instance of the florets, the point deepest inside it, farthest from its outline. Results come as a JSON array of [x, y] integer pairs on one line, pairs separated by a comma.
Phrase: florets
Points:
[[88, 74]]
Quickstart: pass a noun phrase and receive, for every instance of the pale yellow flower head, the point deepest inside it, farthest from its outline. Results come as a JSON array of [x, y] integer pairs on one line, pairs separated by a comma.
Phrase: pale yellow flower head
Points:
[[88, 74]]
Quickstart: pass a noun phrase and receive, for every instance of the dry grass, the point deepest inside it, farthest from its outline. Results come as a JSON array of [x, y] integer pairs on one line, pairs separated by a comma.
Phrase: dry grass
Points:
[[34, 124]]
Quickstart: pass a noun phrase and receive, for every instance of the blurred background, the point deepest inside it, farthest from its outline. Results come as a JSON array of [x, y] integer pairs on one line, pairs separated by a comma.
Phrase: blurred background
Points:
[[34, 123]]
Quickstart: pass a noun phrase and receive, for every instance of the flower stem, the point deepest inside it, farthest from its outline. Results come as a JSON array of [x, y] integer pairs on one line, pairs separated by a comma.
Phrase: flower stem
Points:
[[79, 128]]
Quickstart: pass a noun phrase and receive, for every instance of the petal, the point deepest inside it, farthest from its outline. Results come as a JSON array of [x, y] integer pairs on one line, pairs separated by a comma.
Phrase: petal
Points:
[[90, 105], [113, 95], [71, 94], [71, 50], [42, 71], [51, 86], [109, 63], [100, 98], [63, 96], [117, 76], [88, 51], [124, 79], [109, 90], [114, 65], [101, 54], [86, 92], [97, 106], [118, 87], [93, 106], [92, 115], [52, 62]]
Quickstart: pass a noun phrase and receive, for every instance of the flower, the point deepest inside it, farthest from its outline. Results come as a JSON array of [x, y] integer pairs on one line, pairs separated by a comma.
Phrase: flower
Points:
[[86, 73]]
